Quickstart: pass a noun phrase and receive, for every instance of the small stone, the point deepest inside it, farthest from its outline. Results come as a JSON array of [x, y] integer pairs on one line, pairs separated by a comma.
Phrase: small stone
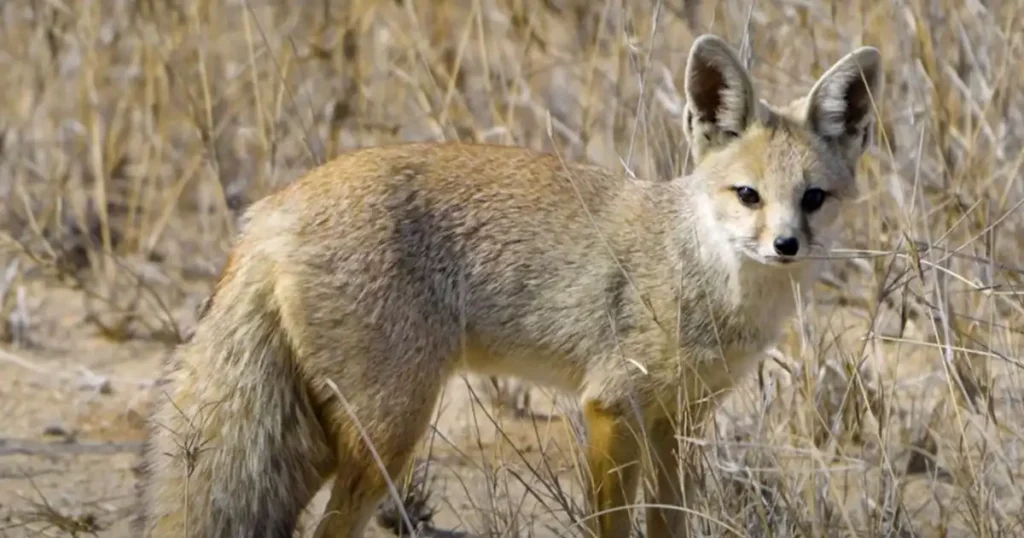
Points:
[[100, 384], [55, 429], [135, 419], [105, 387]]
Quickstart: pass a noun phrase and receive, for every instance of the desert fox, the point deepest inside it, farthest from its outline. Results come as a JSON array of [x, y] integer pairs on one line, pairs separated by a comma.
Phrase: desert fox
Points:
[[354, 293]]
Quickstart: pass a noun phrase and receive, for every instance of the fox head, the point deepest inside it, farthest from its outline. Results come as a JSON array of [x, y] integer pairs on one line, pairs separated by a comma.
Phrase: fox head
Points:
[[772, 178]]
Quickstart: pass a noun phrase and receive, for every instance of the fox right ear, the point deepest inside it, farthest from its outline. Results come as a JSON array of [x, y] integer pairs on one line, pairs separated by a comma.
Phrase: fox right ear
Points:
[[841, 105], [720, 100]]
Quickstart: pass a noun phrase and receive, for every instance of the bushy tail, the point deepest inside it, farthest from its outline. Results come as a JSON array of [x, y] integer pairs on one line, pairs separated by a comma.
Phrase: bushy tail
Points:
[[234, 446]]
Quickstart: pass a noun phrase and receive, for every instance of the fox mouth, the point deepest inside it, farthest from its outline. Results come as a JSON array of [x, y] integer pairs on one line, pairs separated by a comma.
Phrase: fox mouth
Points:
[[771, 261]]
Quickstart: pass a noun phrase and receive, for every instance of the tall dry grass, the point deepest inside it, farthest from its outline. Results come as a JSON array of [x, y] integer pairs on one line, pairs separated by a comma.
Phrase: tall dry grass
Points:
[[132, 134]]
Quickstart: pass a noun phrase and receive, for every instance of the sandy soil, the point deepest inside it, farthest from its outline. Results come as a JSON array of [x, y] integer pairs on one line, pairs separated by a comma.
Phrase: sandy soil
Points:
[[73, 410], [73, 407]]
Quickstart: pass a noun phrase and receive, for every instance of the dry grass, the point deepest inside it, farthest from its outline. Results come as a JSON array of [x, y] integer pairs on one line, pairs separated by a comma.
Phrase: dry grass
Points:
[[133, 133]]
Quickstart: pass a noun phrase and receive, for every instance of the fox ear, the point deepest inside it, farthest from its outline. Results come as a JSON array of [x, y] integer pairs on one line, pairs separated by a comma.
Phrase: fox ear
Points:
[[720, 100], [840, 106]]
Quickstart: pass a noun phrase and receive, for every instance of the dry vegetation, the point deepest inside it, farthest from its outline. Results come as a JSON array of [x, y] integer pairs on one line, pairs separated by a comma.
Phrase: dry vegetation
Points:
[[133, 133]]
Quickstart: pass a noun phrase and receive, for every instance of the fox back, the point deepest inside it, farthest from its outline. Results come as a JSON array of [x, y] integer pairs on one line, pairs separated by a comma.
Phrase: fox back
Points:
[[493, 253]]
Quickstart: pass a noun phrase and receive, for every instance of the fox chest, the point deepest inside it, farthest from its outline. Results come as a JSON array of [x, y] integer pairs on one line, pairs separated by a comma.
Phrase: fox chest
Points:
[[730, 354]]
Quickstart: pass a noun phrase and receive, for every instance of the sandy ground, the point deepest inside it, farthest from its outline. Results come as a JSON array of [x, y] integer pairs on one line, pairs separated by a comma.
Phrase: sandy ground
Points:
[[72, 405], [73, 410]]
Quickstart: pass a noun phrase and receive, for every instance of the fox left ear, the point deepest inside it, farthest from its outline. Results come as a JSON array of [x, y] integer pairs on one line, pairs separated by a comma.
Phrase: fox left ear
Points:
[[720, 98], [840, 106]]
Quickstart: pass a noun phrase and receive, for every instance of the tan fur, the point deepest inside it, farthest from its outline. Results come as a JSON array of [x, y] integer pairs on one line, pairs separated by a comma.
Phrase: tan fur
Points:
[[390, 269]]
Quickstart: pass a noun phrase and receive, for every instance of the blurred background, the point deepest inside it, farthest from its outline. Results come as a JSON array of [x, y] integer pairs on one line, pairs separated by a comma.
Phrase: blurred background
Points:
[[134, 134]]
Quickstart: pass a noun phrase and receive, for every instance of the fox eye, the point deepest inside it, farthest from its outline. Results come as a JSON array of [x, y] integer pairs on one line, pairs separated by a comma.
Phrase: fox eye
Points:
[[748, 196], [812, 200]]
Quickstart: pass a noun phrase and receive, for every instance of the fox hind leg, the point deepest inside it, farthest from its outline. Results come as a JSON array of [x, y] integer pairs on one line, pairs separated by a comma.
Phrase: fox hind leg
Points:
[[386, 435]]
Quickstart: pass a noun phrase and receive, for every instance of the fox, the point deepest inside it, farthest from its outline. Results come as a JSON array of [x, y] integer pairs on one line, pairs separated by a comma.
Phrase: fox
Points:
[[351, 295]]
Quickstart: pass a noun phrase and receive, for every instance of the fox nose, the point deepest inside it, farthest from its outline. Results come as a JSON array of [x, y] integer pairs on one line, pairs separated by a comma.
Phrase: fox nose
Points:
[[787, 246]]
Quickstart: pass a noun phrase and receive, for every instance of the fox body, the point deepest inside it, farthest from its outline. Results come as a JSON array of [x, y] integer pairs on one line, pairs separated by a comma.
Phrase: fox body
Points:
[[354, 293]]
